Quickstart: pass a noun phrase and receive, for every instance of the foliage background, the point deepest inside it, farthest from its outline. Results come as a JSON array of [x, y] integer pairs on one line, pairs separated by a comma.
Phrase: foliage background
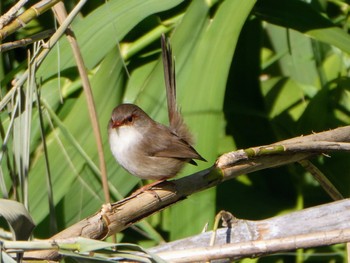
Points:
[[249, 73]]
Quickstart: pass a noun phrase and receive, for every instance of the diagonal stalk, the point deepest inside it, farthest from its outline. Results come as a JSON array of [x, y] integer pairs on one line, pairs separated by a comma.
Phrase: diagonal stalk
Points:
[[61, 15]]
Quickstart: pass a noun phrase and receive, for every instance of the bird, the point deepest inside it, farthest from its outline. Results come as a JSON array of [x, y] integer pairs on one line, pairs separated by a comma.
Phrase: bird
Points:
[[148, 149]]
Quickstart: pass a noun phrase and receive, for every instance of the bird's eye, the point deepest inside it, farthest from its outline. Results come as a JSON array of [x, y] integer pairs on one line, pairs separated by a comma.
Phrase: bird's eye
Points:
[[129, 119]]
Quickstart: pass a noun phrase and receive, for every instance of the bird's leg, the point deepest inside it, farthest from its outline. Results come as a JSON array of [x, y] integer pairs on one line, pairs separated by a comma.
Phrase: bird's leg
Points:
[[147, 188]]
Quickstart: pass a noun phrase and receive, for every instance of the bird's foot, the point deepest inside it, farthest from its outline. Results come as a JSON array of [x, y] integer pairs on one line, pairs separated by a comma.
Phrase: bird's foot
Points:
[[148, 188]]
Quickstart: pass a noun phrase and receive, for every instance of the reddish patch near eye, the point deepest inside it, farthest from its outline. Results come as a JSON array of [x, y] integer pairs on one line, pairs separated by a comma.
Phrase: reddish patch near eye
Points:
[[116, 124]]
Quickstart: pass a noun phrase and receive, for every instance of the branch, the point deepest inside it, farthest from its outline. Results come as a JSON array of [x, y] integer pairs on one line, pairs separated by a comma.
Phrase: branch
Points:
[[11, 13], [317, 226], [26, 41], [284, 152], [128, 211], [23, 19]]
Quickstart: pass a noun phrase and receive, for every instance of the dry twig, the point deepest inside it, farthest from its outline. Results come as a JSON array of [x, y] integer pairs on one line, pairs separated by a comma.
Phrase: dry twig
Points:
[[26, 41], [61, 15], [23, 19], [11, 13]]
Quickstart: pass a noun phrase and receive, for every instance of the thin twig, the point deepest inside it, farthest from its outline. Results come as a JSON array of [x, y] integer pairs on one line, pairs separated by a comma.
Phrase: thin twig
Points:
[[322, 180], [26, 41], [61, 15]]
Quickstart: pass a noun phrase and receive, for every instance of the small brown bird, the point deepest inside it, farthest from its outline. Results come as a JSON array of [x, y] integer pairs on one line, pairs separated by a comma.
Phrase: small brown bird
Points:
[[146, 148]]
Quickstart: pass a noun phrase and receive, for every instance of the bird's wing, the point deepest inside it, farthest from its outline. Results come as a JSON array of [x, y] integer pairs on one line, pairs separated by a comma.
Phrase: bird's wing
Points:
[[167, 144]]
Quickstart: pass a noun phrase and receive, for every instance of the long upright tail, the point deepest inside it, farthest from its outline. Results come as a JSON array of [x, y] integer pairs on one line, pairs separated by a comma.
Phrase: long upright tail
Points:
[[176, 122], [177, 125], [170, 82]]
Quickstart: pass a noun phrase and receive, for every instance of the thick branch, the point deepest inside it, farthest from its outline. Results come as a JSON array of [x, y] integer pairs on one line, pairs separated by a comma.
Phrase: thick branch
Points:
[[317, 226]]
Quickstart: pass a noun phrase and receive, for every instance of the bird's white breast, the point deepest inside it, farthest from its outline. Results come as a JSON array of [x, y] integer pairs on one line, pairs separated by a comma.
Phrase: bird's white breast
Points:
[[123, 141]]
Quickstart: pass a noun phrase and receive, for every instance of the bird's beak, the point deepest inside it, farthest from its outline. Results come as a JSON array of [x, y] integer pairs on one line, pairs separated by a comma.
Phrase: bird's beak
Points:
[[116, 124]]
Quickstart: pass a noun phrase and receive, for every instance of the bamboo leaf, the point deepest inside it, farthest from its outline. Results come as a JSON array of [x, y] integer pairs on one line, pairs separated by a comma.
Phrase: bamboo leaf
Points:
[[18, 218], [302, 17], [107, 25]]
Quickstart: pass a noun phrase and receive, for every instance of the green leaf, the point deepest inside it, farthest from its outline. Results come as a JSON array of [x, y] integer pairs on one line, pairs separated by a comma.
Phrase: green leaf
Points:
[[105, 27], [302, 17], [107, 252], [18, 218]]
